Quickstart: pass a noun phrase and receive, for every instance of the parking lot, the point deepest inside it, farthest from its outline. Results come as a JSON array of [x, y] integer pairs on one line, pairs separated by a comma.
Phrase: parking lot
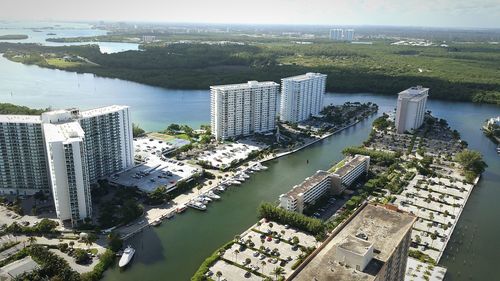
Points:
[[154, 173], [145, 147], [261, 249], [223, 155]]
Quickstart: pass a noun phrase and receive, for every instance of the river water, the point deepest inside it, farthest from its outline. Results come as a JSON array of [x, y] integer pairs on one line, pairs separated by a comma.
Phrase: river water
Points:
[[37, 32], [174, 250]]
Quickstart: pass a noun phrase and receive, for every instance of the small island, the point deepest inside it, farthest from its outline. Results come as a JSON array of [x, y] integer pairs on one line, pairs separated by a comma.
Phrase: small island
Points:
[[13, 37]]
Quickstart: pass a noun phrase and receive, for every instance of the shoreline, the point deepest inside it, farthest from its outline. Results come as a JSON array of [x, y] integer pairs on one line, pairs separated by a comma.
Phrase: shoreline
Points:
[[157, 213]]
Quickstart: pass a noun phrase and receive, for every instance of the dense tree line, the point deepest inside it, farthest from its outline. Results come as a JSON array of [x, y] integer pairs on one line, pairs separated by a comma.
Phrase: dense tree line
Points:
[[467, 73], [8, 108]]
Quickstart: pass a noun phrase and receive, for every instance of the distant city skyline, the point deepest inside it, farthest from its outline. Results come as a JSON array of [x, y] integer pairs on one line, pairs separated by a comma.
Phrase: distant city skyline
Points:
[[432, 13]]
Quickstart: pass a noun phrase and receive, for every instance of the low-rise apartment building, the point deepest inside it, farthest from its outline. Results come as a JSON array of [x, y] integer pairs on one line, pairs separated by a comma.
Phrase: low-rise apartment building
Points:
[[348, 171], [307, 192]]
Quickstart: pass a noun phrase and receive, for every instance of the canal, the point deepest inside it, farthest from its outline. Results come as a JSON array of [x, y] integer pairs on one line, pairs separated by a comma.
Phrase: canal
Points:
[[175, 249]]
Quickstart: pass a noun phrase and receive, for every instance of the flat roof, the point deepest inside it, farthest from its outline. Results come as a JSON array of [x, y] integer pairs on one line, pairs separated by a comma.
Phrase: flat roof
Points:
[[308, 183], [350, 165], [355, 245], [20, 119], [414, 93], [16, 268], [381, 226], [63, 131], [303, 77], [248, 85], [102, 110]]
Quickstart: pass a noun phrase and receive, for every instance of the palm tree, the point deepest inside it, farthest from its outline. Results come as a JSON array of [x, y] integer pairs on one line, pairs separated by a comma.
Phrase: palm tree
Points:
[[236, 238], [278, 271], [219, 275], [32, 240], [236, 252], [263, 263]]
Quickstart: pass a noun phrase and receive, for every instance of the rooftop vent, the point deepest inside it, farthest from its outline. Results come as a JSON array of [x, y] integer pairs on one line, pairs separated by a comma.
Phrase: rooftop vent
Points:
[[361, 235]]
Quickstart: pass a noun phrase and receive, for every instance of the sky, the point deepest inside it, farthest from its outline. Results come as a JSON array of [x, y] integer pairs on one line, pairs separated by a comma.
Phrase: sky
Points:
[[438, 13]]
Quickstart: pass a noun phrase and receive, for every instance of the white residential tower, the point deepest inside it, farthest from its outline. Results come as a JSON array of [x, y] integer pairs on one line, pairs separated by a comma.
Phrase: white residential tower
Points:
[[302, 96], [243, 109], [410, 109]]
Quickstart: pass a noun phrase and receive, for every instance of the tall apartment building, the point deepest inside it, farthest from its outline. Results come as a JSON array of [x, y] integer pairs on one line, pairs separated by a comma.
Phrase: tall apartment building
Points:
[[67, 166], [348, 35], [336, 34], [108, 132], [302, 96], [64, 151], [307, 192], [410, 108], [371, 246], [243, 109], [349, 170], [339, 34], [23, 165]]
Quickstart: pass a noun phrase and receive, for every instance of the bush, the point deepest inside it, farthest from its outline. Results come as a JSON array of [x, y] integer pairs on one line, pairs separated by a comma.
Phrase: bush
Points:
[[294, 219], [199, 275], [105, 261]]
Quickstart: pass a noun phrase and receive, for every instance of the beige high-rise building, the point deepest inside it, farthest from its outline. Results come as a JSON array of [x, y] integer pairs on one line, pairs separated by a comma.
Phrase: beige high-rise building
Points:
[[410, 110], [372, 246]]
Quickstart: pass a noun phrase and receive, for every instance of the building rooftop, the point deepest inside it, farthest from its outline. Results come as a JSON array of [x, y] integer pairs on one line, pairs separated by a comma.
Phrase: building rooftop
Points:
[[248, 85], [377, 225], [350, 164], [355, 245], [308, 183], [414, 93], [14, 269], [63, 131], [20, 119], [102, 110], [304, 77]]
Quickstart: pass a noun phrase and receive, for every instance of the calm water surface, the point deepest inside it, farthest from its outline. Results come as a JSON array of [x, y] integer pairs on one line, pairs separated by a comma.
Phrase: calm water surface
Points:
[[37, 32], [175, 249]]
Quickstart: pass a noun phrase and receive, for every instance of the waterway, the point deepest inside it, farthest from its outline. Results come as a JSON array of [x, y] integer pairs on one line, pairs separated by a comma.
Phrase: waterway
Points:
[[38, 32], [174, 250]]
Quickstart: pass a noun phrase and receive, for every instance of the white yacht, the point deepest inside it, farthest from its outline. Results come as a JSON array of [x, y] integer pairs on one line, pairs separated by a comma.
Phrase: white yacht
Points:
[[197, 205], [127, 256], [212, 195]]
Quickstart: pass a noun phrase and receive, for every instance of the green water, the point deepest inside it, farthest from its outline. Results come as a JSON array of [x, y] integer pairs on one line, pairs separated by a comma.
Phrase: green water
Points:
[[176, 249]]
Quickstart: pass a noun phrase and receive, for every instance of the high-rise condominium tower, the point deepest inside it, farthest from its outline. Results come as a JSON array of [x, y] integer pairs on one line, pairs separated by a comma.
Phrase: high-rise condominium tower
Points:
[[410, 109], [302, 96], [243, 109]]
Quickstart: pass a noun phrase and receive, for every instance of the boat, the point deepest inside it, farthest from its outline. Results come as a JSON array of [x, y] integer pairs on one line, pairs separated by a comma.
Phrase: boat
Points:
[[212, 195], [204, 199], [219, 189], [245, 176], [156, 222], [127, 256], [181, 209], [170, 215], [197, 205], [236, 182]]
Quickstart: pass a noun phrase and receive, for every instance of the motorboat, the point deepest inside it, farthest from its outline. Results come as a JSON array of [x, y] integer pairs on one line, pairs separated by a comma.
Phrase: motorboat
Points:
[[181, 209], [197, 205], [127, 256], [156, 222], [212, 195]]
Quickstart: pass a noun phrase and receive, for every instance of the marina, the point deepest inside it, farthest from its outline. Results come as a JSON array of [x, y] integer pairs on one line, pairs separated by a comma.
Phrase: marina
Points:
[[162, 242]]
